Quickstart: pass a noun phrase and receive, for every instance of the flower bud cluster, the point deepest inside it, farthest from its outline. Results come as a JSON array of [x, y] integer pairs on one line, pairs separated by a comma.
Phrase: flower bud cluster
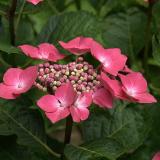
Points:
[[81, 74]]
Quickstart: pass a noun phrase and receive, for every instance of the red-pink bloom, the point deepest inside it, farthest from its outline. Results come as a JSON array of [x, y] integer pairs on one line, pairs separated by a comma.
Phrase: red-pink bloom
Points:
[[35, 2], [135, 86], [78, 46], [112, 59], [127, 70], [44, 51], [17, 81], [156, 156], [103, 98], [64, 102], [114, 86], [79, 110]]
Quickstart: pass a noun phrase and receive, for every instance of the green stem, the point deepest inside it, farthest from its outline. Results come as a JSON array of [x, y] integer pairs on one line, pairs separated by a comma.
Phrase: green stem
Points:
[[11, 16], [68, 132], [19, 15], [147, 38]]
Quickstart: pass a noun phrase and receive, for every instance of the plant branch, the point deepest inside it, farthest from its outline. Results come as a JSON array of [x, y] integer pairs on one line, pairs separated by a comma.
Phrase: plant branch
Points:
[[147, 37], [11, 16], [68, 132], [19, 15]]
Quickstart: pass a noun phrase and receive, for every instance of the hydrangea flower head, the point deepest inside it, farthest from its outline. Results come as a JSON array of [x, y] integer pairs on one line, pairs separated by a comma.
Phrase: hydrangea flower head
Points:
[[71, 88]]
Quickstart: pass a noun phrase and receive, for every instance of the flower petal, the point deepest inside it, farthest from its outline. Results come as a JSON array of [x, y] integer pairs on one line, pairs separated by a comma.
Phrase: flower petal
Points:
[[79, 114], [30, 51], [48, 103], [78, 46], [103, 98], [26, 79], [49, 52], [114, 61], [156, 156], [134, 83], [11, 77], [84, 100], [35, 2], [66, 94], [145, 98], [6, 92], [58, 115], [114, 86]]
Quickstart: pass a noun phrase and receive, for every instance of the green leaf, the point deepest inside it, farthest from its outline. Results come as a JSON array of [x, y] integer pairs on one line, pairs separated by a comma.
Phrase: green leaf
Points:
[[27, 124], [110, 135], [8, 49], [10, 150], [103, 149], [69, 25], [156, 48], [126, 30]]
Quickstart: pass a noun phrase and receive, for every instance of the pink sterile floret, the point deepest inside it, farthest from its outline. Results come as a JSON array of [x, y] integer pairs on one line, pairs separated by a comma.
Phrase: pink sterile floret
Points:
[[135, 86], [78, 46], [65, 102], [156, 156], [44, 51], [35, 2], [112, 59], [17, 81]]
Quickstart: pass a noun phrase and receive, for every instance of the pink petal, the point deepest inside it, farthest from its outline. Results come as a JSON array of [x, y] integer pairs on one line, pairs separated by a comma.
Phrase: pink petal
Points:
[[84, 100], [75, 114], [11, 77], [30, 51], [134, 83], [78, 46], [79, 114], [145, 98], [66, 94], [48, 103], [156, 156], [6, 92], [35, 2], [114, 86], [49, 52], [59, 114], [103, 98], [112, 59], [127, 70], [26, 79]]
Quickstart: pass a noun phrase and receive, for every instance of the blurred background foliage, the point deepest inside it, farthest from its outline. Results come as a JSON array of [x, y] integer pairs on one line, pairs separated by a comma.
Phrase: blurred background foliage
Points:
[[126, 132]]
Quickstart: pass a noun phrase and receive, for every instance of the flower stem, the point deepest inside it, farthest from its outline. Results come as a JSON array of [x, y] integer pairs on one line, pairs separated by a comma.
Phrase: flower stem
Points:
[[11, 16], [19, 15], [147, 38], [68, 132]]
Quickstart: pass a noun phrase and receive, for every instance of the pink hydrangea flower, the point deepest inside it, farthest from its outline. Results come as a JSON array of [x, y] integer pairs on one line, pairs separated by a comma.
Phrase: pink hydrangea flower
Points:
[[65, 102], [103, 98], [71, 88], [156, 156], [113, 85], [35, 2], [17, 81], [135, 86], [112, 59], [78, 46], [44, 51]]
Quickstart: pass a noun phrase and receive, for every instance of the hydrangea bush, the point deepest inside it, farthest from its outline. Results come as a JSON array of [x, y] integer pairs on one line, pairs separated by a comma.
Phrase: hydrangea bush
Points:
[[78, 75]]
